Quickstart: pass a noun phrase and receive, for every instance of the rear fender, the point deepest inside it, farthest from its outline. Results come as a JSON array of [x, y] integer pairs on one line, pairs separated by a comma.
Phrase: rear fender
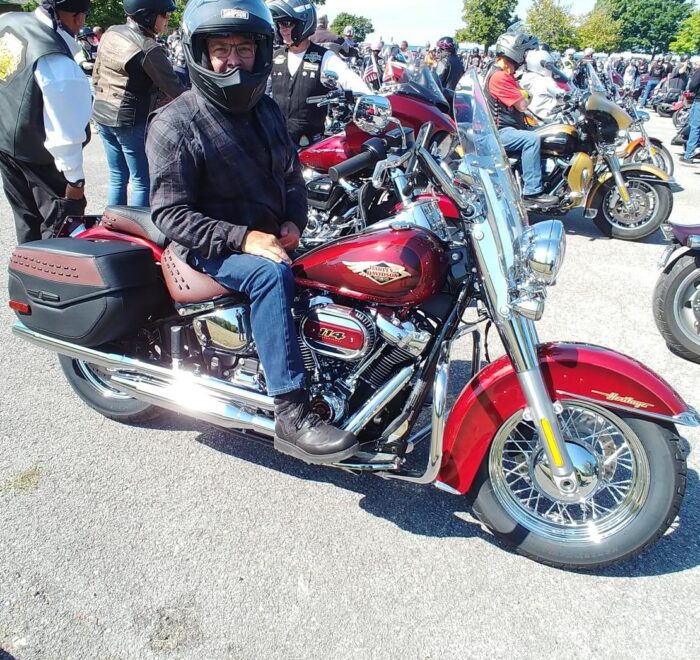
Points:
[[571, 372], [99, 233]]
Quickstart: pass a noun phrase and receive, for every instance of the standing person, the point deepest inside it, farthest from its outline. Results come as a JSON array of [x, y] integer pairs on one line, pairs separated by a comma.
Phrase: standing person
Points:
[[693, 144], [130, 67], [45, 108], [656, 73], [88, 50], [98, 33], [227, 189], [508, 103], [323, 35], [297, 69], [449, 67], [408, 55]]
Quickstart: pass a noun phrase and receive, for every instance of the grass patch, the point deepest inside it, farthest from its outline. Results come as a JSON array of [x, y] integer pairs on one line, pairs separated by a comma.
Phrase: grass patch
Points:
[[26, 481]]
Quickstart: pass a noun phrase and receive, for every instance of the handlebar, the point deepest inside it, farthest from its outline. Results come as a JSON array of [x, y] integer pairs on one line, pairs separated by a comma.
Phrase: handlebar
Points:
[[373, 151]]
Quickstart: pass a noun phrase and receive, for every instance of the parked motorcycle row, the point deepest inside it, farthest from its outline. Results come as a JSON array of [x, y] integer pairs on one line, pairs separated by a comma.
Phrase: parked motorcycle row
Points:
[[568, 452]]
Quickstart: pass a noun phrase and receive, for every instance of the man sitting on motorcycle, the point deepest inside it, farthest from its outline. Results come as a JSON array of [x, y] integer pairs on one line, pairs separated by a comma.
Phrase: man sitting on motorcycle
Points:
[[544, 92], [298, 67], [227, 189], [508, 103]]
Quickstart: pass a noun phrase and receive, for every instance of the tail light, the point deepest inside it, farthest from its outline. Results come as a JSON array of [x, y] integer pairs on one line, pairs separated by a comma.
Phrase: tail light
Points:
[[20, 307]]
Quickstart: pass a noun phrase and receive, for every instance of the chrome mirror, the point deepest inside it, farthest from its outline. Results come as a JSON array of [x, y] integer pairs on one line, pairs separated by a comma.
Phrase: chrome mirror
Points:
[[372, 114], [329, 79]]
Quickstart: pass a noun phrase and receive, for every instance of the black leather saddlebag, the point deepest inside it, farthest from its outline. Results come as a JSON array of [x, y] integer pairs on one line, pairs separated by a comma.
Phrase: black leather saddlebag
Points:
[[84, 292]]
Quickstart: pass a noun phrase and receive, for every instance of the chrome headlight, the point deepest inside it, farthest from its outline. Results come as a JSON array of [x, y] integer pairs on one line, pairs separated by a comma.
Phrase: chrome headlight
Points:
[[542, 248]]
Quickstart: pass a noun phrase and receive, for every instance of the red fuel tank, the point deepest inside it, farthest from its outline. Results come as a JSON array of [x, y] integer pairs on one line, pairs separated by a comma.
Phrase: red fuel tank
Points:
[[326, 153], [387, 266]]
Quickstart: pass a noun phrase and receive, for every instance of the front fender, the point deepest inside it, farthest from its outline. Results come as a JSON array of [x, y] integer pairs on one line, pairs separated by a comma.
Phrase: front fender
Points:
[[571, 371], [637, 170]]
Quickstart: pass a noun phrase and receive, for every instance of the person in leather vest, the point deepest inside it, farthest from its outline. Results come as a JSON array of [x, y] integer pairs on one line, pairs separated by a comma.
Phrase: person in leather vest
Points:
[[449, 68], [227, 189], [508, 103], [130, 68], [297, 69], [45, 110]]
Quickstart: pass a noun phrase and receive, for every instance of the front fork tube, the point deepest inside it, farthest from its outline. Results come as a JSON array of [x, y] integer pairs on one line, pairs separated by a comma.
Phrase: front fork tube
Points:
[[521, 341], [614, 164]]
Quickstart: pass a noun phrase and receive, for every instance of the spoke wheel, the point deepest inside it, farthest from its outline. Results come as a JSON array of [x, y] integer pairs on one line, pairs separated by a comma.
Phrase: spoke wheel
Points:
[[631, 478], [612, 468], [92, 384]]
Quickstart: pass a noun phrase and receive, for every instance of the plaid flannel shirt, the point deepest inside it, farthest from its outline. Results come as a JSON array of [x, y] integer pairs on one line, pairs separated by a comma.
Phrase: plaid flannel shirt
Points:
[[215, 175]]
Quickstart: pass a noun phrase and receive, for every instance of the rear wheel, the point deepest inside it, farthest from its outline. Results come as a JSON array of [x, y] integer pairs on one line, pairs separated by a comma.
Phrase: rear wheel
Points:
[[92, 384], [651, 205], [632, 477], [677, 307]]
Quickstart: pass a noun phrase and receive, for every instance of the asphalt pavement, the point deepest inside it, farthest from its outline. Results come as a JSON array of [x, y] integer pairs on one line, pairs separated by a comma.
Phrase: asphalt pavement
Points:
[[178, 540]]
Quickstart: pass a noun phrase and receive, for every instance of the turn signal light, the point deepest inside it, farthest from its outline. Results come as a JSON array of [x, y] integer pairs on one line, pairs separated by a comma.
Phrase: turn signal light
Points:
[[20, 307]]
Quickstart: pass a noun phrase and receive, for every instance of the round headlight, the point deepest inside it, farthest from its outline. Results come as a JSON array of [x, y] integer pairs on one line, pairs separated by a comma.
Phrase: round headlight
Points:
[[543, 247]]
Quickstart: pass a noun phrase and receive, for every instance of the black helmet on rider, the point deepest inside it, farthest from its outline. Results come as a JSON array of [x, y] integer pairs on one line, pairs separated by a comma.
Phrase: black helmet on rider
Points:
[[84, 33], [447, 44], [301, 12], [514, 46], [145, 12], [234, 90]]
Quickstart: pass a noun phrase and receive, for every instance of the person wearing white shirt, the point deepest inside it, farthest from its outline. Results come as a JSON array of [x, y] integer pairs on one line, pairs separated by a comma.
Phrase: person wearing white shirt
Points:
[[537, 80], [45, 107], [298, 67]]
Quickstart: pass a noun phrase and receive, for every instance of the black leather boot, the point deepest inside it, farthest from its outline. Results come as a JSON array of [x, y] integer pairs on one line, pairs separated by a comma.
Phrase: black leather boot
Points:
[[301, 433]]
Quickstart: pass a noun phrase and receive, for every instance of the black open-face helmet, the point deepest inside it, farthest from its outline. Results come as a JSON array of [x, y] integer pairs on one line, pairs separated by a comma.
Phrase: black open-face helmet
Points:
[[235, 90], [302, 12], [447, 44], [145, 12]]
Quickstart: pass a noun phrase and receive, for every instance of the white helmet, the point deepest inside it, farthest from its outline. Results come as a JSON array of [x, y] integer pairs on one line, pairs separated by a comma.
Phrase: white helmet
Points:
[[539, 62], [348, 31], [569, 52]]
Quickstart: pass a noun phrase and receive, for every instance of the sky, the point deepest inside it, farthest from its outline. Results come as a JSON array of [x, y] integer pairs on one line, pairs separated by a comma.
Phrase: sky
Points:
[[418, 21]]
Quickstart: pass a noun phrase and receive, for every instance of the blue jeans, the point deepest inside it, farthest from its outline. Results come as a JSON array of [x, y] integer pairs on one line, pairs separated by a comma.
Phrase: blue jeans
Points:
[[125, 148], [270, 287], [694, 135], [528, 144], [651, 84]]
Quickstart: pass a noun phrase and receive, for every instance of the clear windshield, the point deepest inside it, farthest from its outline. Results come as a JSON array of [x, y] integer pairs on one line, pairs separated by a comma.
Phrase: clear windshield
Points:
[[421, 81], [484, 165], [595, 84]]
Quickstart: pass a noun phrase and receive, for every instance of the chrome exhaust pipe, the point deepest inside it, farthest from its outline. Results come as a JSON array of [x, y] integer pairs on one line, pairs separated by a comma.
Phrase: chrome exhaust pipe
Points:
[[132, 370], [184, 395]]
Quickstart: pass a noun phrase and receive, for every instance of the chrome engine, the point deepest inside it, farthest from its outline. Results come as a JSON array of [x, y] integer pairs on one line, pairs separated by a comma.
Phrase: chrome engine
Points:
[[344, 349]]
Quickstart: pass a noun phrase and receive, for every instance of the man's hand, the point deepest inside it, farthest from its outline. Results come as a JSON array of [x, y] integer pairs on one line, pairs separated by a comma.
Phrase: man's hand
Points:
[[74, 193], [264, 245], [289, 236]]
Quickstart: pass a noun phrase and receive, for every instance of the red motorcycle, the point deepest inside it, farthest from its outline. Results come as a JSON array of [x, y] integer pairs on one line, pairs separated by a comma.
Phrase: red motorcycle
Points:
[[567, 451], [337, 167]]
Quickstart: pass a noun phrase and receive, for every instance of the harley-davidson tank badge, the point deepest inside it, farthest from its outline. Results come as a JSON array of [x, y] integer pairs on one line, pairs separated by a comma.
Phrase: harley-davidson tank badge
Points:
[[618, 398], [11, 51], [380, 272]]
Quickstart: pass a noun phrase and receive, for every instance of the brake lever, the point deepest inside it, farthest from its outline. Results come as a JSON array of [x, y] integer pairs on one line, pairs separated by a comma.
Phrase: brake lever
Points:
[[390, 162]]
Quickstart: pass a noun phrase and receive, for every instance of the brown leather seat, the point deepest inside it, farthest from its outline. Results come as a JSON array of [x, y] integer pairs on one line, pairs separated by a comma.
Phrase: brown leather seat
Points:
[[187, 285], [133, 220]]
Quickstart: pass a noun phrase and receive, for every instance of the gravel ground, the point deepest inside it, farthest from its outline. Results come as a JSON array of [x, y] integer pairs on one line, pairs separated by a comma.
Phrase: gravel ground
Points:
[[177, 540]]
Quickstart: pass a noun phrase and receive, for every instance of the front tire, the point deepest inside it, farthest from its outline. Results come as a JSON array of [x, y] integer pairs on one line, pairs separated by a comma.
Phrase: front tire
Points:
[[652, 201], [680, 117], [632, 474], [92, 385], [677, 307]]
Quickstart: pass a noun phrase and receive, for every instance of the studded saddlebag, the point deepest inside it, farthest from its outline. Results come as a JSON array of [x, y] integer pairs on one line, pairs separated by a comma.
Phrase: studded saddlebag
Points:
[[84, 292]]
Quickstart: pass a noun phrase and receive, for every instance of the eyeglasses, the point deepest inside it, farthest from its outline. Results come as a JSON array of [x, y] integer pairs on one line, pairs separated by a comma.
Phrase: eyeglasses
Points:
[[222, 51], [286, 24]]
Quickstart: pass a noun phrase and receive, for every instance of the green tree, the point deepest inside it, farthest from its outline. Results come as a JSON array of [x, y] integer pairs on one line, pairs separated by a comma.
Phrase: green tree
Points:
[[362, 26], [648, 25], [552, 23], [599, 30], [687, 39], [485, 21]]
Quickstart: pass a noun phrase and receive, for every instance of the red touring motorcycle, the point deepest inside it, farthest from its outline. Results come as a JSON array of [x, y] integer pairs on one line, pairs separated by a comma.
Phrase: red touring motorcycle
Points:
[[567, 451], [340, 204]]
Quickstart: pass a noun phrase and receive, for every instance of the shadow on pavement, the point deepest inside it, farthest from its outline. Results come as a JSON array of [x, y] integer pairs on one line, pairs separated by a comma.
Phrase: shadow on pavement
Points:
[[576, 224]]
